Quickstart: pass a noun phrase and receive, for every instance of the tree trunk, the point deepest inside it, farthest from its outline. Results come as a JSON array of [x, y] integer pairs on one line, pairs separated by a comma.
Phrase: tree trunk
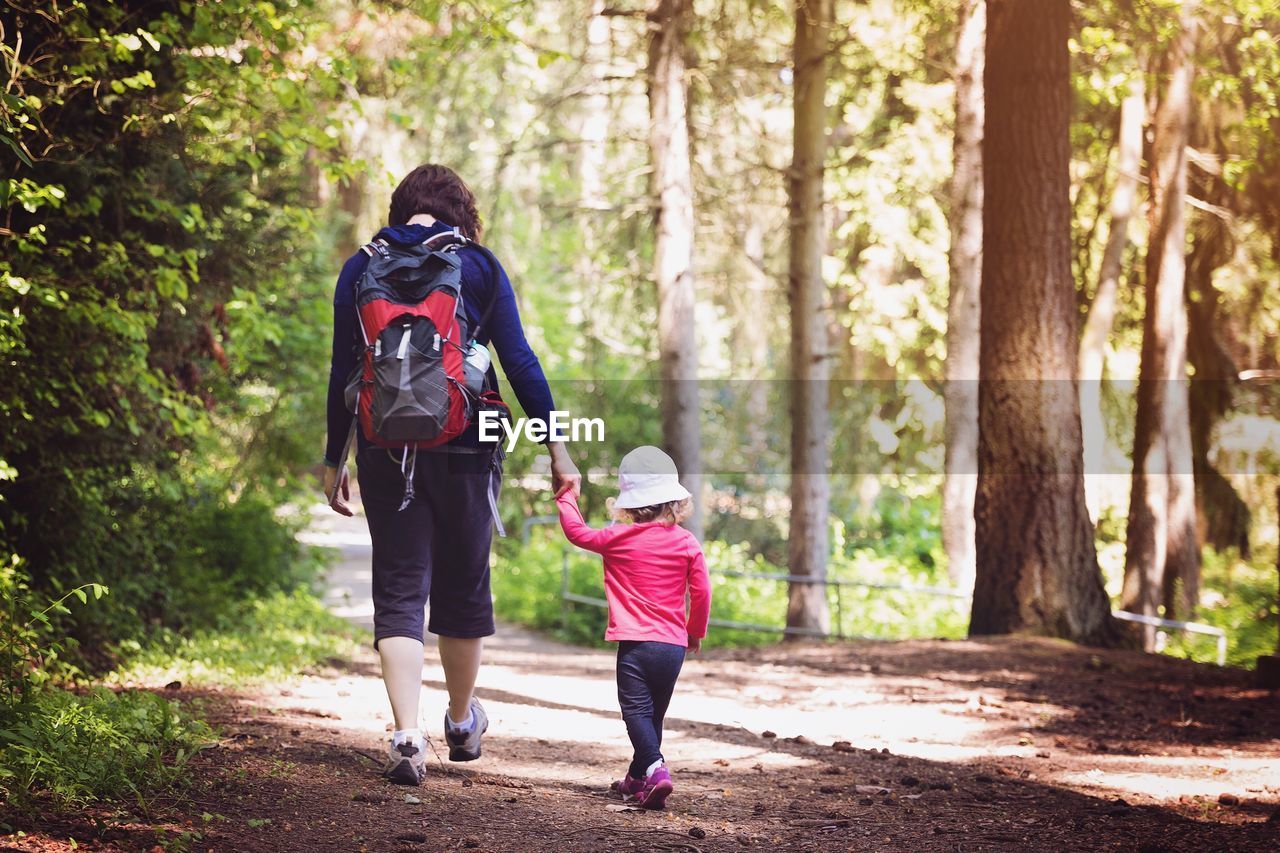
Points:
[[1102, 310], [1161, 548], [1223, 518], [592, 162], [1036, 567], [965, 258], [673, 243], [810, 366]]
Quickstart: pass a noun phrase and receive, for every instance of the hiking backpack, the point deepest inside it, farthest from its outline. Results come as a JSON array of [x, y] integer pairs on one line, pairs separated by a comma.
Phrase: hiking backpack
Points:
[[422, 378]]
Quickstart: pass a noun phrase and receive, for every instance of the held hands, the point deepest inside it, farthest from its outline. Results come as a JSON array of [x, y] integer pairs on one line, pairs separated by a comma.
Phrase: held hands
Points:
[[695, 645], [343, 493], [564, 474]]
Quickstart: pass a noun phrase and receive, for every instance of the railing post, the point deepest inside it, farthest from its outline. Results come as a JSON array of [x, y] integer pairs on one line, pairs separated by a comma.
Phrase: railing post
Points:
[[564, 588], [839, 611]]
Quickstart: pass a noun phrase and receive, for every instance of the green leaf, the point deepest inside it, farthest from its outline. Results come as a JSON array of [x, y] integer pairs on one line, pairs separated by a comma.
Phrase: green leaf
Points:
[[17, 149]]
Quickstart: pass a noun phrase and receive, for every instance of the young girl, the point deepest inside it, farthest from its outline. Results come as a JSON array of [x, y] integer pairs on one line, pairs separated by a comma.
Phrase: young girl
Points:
[[649, 564]]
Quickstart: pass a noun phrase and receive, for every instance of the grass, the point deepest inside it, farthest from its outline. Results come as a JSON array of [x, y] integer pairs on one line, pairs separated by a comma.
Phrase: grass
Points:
[[269, 639], [67, 748]]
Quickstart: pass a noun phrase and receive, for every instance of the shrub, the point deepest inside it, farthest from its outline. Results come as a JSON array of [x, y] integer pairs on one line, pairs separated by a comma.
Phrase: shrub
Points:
[[1238, 596], [76, 748], [527, 585]]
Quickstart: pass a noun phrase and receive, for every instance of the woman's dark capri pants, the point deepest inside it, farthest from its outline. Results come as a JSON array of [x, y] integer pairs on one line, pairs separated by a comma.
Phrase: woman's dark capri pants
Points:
[[437, 548]]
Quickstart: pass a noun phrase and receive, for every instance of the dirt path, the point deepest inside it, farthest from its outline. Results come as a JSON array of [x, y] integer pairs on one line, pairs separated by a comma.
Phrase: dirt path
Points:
[[922, 745]]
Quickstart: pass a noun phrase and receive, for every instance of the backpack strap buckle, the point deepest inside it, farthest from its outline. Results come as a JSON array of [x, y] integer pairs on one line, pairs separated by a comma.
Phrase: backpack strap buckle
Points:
[[378, 247]]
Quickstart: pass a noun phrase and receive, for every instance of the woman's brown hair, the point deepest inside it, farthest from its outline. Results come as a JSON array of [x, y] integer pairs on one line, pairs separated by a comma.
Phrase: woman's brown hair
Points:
[[438, 191]]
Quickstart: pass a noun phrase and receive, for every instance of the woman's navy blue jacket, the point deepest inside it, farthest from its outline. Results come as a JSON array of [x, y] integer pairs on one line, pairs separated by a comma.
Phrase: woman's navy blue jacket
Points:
[[480, 285]]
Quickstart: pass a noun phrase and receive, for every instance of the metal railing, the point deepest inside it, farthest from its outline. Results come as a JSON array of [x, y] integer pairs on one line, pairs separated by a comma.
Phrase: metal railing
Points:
[[568, 596], [839, 584], [1189, 627]]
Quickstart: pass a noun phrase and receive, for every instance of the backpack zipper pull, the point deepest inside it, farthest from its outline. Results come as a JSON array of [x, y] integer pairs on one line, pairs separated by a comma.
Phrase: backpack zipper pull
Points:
[[404, 343]]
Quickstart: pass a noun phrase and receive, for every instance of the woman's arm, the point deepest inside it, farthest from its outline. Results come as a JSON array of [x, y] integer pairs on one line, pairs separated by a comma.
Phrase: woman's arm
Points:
[[342, 361], [504, 330], [575, 529], [520, 363]]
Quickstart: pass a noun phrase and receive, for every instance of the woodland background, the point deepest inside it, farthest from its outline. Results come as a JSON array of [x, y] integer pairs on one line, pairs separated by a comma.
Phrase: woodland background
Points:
[[783, 204]]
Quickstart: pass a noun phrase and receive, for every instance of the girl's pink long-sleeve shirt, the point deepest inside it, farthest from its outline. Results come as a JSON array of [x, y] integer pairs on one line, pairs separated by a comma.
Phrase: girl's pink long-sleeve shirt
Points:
[[647, 568]]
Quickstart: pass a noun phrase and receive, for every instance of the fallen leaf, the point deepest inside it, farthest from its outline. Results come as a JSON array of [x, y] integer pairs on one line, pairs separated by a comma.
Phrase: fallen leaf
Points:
[[871, 789]]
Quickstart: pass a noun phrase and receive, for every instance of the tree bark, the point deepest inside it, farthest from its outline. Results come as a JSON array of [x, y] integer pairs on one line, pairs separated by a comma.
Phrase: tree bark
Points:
[[965, 259], [810, 357], [1102, 310], [1161, 547], [673, 243], [1037, 570]]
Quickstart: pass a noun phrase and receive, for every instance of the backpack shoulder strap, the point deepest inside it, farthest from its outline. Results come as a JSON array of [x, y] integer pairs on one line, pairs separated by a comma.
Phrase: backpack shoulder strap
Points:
[[375, 247]]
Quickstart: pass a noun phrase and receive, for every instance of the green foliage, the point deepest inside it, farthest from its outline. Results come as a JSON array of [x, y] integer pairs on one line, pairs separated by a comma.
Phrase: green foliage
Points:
[[159, 302], [1240, 597], [28, 645], [176, 557], [526, 580], [69, 749], [270, 638], [901, 549]]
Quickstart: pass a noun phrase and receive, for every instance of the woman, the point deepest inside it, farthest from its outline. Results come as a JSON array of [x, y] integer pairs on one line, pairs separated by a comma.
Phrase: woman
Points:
[[437, 548]]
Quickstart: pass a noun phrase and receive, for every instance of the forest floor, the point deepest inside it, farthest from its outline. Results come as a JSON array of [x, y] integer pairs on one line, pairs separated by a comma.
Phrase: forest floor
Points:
[[1000, 744]]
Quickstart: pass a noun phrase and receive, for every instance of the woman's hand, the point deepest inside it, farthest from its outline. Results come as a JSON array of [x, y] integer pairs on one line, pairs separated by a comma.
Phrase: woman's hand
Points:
[[695, 645], [340, 498], [564, 474]]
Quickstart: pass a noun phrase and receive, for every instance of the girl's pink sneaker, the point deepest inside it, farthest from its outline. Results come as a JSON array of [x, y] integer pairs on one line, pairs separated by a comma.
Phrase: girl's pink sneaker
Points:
[[628, 787], [656, 789]]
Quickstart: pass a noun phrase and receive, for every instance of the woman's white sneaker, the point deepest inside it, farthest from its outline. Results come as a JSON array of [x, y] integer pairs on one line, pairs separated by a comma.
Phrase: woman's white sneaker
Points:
[[406, 763]]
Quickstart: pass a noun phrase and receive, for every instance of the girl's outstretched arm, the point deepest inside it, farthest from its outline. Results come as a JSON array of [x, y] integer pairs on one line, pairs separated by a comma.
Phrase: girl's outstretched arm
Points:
[[575, 529], [699, 594]]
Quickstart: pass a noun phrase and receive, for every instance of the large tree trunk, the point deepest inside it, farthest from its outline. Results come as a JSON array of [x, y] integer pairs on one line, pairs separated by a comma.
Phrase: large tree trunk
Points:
[[1161, 546], [810, 365], [1036, 569], [965, 258], [1102, 310], [673, 243]]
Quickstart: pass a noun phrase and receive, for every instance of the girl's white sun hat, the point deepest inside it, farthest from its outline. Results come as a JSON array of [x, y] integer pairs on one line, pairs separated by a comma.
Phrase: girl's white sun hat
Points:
[[647, 477]]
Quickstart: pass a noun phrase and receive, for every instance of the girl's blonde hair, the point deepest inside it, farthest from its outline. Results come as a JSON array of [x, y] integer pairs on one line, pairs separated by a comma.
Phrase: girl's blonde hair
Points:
[[670, 513]]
